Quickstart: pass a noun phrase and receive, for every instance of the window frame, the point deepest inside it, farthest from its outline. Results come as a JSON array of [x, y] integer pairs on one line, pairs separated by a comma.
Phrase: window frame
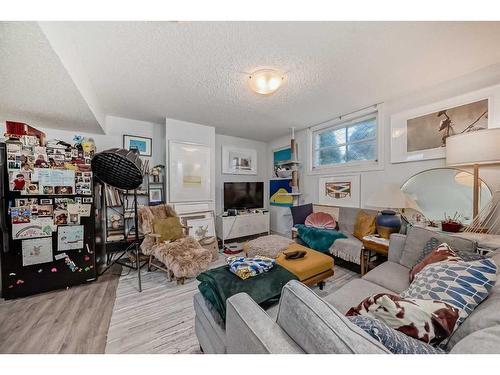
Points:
[[346, 122]]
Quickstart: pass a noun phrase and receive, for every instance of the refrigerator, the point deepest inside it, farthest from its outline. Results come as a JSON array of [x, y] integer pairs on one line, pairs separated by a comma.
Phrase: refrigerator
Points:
[[37, 256]]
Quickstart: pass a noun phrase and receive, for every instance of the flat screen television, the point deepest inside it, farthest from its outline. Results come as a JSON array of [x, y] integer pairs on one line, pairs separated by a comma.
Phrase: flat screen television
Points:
[[242, 195]]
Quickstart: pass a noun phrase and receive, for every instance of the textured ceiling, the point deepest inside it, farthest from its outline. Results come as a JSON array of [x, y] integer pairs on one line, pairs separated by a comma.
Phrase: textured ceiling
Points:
[[34, 86], [196, 71]]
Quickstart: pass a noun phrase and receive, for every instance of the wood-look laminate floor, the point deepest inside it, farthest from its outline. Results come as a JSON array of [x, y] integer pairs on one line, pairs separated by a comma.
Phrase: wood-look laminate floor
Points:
[[75, 320], [112, 316]]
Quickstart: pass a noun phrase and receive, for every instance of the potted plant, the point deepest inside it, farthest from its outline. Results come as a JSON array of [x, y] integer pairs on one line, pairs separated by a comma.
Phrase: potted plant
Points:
[[452, 224], [156, 172]]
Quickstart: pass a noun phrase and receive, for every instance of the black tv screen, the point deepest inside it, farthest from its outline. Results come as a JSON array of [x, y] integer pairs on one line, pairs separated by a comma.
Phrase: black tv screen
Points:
[[241, 195]]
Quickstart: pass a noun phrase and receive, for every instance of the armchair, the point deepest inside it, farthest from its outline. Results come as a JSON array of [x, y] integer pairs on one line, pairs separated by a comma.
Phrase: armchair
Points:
[[181, 258]]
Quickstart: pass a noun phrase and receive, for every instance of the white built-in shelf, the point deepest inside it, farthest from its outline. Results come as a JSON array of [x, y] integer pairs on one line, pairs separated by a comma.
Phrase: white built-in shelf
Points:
[[288, 162]]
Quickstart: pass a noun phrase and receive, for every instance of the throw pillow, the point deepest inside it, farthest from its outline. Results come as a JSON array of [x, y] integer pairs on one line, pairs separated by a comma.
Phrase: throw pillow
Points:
[[425, 320], [397, 342], [442, 252], [320, 220], [169, 228], [463, 285], [364, 225], [467, 256], [300, 213]]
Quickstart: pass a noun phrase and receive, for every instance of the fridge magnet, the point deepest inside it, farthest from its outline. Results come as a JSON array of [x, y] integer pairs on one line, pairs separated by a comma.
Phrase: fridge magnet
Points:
[[37, 251], [18, 180], [45, 200], [14, 147], [40, 227], [48, 190], [70, 238], [71, 265], [20, 215], [84, 210], [45, 210], [74, 219], [60, 217], [53, 269], [87, 199], [26, 202], [60, 256], [14, 165], [32, 188], [64, 190], [41, 161]]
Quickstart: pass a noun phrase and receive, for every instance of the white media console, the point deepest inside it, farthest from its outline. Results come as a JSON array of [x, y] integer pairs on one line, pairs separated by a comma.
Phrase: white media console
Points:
[[231, 227]]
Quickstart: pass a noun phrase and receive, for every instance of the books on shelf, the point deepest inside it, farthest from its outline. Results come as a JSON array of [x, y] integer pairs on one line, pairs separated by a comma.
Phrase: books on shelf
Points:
[[113, 196]]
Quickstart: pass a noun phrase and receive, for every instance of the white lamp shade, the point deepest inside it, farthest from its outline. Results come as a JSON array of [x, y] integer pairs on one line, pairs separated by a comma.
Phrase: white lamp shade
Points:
[[391, 196], [477, 147]]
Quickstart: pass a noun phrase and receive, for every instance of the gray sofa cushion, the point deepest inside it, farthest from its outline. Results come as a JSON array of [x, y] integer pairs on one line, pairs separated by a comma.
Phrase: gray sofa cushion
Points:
[[251, 331], [484, 341], [417, 238], [353, 293], [318, 327], [210, 319], [390, 275]]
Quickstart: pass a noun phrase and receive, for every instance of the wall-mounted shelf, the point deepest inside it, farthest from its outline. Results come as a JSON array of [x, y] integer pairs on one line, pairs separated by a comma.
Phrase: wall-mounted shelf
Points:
[[288, 162]]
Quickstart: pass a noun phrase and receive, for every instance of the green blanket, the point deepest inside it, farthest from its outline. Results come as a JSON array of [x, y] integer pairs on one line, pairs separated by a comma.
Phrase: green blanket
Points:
[[218, 284], [318, 239]]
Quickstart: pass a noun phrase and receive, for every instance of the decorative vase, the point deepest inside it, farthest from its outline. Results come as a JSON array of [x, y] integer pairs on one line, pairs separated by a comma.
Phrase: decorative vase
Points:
[[387, 223]]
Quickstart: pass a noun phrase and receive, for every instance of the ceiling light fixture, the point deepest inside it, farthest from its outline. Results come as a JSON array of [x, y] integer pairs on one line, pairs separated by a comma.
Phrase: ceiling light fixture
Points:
[[265, 81]]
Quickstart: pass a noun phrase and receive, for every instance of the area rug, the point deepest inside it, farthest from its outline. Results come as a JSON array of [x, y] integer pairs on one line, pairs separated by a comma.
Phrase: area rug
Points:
[[161, 318]]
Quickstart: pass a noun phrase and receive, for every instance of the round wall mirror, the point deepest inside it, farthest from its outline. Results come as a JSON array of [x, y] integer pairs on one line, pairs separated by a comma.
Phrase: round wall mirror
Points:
[[446, 192]]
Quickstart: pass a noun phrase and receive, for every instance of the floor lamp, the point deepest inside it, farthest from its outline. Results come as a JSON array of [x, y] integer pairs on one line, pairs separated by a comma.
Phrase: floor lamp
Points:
[[121, 169], [474, 149]]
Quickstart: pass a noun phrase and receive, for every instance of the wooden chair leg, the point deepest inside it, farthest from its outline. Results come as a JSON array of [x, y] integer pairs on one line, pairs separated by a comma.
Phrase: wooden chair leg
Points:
[[149, 263]]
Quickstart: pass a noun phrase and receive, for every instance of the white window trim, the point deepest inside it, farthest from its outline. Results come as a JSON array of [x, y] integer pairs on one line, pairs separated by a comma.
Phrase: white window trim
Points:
[[353, 166]]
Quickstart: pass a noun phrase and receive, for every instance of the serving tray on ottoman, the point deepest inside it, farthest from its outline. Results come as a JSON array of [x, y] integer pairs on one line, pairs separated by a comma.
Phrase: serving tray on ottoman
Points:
[[311, 269]]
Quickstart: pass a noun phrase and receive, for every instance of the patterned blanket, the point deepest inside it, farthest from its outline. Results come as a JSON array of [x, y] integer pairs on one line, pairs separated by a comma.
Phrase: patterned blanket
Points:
[[249, 267]]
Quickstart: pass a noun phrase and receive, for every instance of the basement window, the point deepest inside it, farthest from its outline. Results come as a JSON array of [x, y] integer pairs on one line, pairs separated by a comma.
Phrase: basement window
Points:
[[346, 143]]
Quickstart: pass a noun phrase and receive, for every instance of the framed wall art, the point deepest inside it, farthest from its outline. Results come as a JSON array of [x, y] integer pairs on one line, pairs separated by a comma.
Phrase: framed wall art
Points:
[[342, 191], [155, 195], [421, 133], [143, 144], [189, 172], [239, 160], [200, 225]]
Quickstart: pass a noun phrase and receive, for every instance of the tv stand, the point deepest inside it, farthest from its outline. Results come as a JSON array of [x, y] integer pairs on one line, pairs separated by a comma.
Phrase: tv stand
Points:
[[232, 227]]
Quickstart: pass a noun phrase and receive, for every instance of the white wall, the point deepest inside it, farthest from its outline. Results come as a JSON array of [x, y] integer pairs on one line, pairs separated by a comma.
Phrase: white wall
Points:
[[116, 127], [182, 131], [390, 173], [220, 178]]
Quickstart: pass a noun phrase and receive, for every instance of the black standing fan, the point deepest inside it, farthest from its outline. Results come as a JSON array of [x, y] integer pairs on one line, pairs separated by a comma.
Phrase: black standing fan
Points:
[[121, 169]]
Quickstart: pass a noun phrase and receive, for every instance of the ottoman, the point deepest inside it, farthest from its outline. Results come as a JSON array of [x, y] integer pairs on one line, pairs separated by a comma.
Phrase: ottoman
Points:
[[267, 246], [312, 269]]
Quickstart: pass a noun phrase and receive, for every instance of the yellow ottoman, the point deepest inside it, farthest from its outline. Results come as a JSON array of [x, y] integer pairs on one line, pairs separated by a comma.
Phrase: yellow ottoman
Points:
[[312, 269]]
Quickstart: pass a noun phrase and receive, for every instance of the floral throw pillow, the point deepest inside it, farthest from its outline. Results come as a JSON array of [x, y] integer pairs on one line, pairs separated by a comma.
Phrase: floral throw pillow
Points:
[[425, 320], [441, 253]]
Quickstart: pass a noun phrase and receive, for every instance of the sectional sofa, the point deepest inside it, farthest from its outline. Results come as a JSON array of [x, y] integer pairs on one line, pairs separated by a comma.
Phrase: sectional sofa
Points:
[[305, 323]]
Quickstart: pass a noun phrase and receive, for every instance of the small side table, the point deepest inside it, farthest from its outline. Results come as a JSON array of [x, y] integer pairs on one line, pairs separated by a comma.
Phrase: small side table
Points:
[[371, 243]]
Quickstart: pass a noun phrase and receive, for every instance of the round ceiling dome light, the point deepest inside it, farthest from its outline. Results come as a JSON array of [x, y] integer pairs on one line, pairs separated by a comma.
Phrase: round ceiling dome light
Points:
[[265, 81]]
